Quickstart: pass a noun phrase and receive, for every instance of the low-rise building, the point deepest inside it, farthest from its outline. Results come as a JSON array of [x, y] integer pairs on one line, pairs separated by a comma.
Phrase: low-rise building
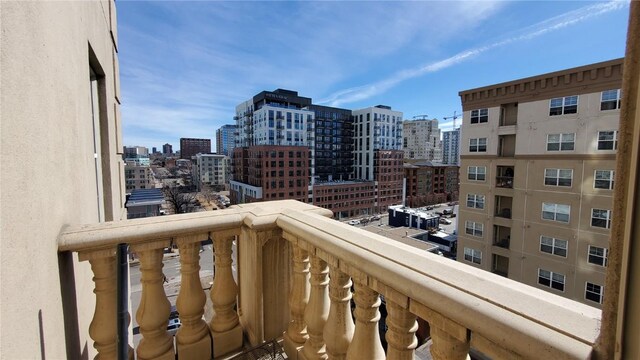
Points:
[[144, 203], [430, 183], [137, 176], [345, 198], [211, 170]]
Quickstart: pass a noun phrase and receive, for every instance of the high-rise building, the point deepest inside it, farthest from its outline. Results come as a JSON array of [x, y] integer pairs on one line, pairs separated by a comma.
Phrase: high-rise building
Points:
[[538, 163], [451, 147], [189, 147], [225, 139], [378, 154], [154, 150], [167, 149], [333, 154], [211, 170], [421, 140]]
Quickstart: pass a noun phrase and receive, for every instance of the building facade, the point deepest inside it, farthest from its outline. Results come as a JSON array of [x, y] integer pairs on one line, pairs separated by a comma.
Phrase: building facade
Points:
[[226, 139], [59, 63], [421, 140], [134, 152], [333, 147], [430, 183], [167, 149], [538, 162], [451, 147], [137, 176], [189, 147], [211, 170]]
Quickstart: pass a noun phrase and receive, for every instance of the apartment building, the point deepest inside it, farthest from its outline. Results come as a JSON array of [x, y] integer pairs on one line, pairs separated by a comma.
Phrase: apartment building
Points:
[[211, 170], [189, 147], [421, 140], [226, 139], [333, 153], [451, 147], [430, 183], [167, 149], [137, 176], [537, 166]]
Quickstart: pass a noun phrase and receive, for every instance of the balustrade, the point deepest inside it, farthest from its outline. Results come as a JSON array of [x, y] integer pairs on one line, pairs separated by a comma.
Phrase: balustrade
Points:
[[464, 309]]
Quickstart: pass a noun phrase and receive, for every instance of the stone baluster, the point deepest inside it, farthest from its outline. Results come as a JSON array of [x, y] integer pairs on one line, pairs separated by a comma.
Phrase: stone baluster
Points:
[[103, 326], [338, 331], [154, 309], [296, 334], [366, 339], [225, 324], [317, 310], [401, 338], [192, 338], [446, 346]]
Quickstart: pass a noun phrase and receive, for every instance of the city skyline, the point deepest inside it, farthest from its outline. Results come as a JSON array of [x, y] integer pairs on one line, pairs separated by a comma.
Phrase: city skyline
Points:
[[185, 66]]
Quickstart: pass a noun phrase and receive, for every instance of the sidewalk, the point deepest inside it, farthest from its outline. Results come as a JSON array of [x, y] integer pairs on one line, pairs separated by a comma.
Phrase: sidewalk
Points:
[[172, 254]]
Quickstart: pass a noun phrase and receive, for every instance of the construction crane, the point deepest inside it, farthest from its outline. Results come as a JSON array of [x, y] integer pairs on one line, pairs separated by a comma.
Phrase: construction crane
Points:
[[454, 117]]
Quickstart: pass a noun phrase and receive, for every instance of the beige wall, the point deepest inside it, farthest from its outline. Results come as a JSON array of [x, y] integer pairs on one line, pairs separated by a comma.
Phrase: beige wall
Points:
[[47, 125]]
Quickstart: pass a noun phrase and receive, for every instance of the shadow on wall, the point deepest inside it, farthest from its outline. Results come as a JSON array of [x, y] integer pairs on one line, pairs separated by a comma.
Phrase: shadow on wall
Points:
[[66, 273]]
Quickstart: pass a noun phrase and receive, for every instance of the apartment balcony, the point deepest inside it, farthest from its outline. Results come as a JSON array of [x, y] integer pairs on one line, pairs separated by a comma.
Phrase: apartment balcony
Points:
[[500, 265], [504, 177], [501, 236], [506, 145], [503, 206], [296, 268]]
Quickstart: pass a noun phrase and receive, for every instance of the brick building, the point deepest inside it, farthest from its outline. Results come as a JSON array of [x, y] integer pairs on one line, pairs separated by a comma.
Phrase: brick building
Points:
[[430, 183]]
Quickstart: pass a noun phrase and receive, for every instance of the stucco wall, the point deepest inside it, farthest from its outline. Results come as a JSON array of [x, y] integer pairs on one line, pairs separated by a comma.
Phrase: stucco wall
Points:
[[48, 177]]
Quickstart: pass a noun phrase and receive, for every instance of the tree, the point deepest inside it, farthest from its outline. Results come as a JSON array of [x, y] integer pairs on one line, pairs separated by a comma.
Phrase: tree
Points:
[[178, 199]]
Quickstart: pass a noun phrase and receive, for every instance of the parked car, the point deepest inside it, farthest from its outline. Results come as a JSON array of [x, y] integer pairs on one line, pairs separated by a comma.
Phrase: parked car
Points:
[[354, 222], [174, 325], [445, 221], [447, 211], [429, 208], [376, 217]]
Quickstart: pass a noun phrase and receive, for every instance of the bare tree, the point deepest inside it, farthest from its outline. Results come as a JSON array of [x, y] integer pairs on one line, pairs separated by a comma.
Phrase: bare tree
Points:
[[178, 199]]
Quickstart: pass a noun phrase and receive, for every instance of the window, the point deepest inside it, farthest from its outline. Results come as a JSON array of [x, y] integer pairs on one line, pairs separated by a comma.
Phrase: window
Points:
[[474, 228], [607, 140], [553, 246], [593, 292], [558, 177], [478, 145], [563, 106], [473, 255], [560, 142], [601, 218], [610, 100], [477, 173], [604, 179], [479, 116], [598, 255], [556, 212], [551, 279], [475, 201]]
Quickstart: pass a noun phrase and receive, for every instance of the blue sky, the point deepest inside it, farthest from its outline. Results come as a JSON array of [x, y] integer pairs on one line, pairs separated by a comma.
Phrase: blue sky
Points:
[[184, 66]]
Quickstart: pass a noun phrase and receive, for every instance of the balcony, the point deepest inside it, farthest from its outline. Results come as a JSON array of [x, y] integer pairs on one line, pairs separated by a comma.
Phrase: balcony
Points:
[[504, 177], [503, 206], [501, 236], [506, 145], [310, 310], [500, 265]]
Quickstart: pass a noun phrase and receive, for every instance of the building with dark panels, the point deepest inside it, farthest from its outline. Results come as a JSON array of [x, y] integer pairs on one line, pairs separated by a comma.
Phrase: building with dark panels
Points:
[[333, 143], [430, 183], [400, 216], [226, 139], [167, 149], [190, 147], [269, 172]]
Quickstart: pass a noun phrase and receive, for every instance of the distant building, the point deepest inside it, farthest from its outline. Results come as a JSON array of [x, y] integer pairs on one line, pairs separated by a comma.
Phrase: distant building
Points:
[[154, 150], [346, 198], [133, 152], [421, 140], [226, 139], [167, 149], [137, 176], [144, 203], [269, 172], [211, 170], [451, 147], [430, 183], [190, 147]]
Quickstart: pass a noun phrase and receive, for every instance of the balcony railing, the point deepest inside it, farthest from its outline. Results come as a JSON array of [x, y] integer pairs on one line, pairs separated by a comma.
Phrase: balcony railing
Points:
[[504, 182], [498, 317]]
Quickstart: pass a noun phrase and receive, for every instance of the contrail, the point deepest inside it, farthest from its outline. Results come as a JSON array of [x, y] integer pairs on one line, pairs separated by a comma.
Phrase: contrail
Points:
[[555, 23]]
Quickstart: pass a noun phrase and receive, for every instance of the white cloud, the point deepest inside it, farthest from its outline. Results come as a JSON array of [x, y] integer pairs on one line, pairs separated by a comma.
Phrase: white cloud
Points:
[[363, 92]]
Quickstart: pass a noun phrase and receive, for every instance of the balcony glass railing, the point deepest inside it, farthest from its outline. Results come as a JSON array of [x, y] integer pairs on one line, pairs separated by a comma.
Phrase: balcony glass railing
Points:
[[504, 182], [307, 299]]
